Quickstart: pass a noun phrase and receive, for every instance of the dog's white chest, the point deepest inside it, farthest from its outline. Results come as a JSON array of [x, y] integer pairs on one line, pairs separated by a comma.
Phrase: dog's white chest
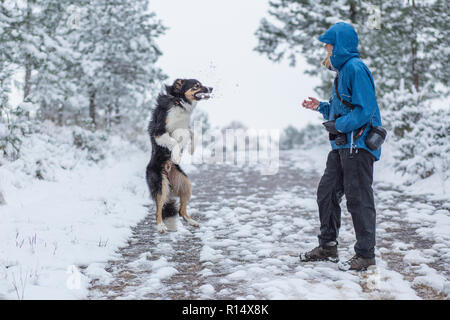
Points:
[[178, 118]]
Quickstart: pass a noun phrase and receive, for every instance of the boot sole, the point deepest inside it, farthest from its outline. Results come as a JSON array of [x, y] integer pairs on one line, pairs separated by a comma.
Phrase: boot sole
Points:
[[329, 259], [357, 270]]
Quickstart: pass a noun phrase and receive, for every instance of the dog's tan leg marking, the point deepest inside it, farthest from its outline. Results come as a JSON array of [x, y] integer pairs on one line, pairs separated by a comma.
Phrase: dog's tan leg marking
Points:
[[160, 201], [183, 188], [167, 167], [184, 192]]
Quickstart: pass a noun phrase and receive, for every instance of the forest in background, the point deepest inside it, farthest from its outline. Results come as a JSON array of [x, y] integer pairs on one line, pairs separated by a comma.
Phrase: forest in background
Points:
[[405, 45], [90, 66], [84, 63]]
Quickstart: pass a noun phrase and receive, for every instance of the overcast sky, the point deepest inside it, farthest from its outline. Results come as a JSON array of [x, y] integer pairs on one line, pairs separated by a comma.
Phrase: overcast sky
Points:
[[213, 41]]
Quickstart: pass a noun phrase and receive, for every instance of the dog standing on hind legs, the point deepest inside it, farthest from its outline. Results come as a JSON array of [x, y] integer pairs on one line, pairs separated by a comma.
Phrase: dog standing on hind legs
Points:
[[170, 132]]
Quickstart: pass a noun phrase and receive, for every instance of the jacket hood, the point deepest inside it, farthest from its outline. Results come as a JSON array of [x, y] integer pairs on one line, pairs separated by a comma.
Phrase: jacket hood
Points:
[[344, 39]]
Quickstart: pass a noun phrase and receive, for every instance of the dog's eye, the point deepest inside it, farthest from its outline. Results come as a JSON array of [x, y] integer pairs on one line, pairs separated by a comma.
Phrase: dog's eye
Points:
[[196, 86]]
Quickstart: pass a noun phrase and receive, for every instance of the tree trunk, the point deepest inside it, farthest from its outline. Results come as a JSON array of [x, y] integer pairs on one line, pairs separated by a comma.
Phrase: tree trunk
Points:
[[61, 115], [109, 111], [117, 113], [353, 12], [92, 108], [414, 71], [27, 84]]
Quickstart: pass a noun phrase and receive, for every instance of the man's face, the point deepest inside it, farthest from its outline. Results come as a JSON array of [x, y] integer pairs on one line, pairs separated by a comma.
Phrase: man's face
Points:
[[329, 48]]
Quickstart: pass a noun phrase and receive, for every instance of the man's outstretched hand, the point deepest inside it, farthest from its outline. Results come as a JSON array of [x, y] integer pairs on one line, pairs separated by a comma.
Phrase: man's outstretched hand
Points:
[[312, 103]]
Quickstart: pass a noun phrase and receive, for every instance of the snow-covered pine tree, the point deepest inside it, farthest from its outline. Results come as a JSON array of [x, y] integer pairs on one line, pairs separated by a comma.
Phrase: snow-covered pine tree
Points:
[[21, 38], [14, 122], [425, 150], [293, 28], [410, 43], [5, 83], [5, 74], [409, 47], [409, 58], [54, 86], [34, 42], [84, 59], [4, 91], [117, 41], [419, 132], [407, 107]]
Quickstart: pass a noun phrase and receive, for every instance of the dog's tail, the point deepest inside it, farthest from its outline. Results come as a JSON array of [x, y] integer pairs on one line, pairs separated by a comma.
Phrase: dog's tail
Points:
[[169, 209]]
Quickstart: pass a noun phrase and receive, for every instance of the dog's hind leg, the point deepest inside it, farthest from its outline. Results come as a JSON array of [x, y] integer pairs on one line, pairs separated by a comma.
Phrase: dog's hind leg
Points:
[[185, 192], [183, 188], [184, 199], [158, 185], [161, 199]]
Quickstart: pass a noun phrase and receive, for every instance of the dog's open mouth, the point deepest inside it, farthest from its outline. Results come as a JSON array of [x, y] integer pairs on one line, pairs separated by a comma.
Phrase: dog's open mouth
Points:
[[202, 95]]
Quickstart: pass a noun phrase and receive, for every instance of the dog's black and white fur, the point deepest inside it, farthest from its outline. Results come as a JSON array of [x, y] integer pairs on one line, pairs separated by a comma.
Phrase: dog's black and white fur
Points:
[[170, 132]]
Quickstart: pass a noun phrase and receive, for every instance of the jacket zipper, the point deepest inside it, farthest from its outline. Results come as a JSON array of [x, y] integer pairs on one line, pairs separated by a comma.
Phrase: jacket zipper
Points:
[[352, 145]]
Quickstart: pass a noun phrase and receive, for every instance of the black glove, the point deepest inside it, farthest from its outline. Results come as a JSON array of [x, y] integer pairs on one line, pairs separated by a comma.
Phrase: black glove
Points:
[[330, 126]]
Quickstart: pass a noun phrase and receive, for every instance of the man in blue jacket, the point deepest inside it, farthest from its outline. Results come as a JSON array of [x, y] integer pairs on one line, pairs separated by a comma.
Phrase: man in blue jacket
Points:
[[350, 112]]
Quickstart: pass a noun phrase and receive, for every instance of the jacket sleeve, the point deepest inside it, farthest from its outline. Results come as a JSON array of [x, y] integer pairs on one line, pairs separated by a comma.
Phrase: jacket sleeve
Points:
[[364, 100], [324, 109]]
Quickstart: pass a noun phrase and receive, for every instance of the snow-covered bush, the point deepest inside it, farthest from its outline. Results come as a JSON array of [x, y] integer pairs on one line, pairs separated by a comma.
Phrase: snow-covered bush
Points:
[[425, 149], [419, 134], [92, 142], [402, 109], [52, 149], [14, 125]]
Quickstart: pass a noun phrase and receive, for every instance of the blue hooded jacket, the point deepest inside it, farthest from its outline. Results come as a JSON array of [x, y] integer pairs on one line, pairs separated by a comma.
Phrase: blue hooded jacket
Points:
[[355, 85]]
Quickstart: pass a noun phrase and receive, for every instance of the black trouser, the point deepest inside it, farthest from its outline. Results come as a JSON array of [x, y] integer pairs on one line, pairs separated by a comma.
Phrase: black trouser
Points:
[[352, 175]]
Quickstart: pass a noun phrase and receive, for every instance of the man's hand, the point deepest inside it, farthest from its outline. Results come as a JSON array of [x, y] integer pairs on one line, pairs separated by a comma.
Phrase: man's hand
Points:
[[312, 104]]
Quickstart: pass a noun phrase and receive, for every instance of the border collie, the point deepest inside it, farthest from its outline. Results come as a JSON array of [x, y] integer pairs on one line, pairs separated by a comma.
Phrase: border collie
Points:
[[170, 132]]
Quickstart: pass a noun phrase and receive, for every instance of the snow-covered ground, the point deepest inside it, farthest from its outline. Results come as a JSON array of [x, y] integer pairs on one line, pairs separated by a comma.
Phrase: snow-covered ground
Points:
[[92, 224], [79, 216], [252, 230]]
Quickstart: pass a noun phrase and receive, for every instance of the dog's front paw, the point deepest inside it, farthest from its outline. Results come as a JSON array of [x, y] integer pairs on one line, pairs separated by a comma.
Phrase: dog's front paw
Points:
[[192, 222], [161, 228]]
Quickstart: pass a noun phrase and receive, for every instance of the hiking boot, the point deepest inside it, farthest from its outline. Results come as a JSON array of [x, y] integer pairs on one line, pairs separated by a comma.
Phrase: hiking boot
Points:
[[357, 263], [321, 253]]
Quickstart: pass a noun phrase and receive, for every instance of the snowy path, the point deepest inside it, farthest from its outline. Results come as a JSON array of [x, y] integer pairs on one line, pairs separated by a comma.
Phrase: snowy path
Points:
[[252, 229]]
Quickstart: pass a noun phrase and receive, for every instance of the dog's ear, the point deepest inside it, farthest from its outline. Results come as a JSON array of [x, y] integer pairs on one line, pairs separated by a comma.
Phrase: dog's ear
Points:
[[176, 87]]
